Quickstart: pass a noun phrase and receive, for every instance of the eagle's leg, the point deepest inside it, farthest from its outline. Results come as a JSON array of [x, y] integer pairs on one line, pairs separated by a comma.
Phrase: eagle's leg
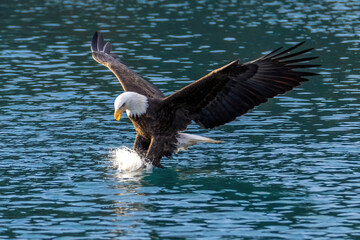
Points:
[[141, 145], [155, 152]]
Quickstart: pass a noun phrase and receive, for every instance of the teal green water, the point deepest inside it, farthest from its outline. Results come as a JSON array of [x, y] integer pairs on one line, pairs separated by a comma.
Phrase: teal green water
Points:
[[287, 170]]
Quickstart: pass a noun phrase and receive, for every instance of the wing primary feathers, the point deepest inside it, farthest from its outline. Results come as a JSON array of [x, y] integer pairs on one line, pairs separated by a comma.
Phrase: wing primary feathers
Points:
[[97, 44], [265, 56], [234, 89], [272, 52], [294, 54], [100, 42], [299, 60], [288, 50], [107, 48], [94, 42], [129, 79], [304, 65], [307, 73]]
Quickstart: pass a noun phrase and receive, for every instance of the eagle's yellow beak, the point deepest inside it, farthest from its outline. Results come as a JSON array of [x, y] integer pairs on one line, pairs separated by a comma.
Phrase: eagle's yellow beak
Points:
[[118, 113]]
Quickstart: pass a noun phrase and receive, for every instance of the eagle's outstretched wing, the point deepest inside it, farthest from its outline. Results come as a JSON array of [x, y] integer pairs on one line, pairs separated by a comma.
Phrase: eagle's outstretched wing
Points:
[[234, 89], [129, 80]]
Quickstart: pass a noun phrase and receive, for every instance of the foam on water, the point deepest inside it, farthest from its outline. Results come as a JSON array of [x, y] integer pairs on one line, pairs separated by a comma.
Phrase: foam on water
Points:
[[127, 160]]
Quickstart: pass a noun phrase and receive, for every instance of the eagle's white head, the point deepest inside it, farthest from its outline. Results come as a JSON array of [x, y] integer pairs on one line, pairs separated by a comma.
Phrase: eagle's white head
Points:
[[134, 103]]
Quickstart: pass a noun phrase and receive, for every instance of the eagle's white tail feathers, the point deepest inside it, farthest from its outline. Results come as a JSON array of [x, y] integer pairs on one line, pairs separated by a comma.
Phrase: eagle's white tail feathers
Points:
[[186, 140]]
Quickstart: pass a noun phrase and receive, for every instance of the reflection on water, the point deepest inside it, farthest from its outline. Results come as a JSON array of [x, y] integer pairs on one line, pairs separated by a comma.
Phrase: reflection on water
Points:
[[288, 169]]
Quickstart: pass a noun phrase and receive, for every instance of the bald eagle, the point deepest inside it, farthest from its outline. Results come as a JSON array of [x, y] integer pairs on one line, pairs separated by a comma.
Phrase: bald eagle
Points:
[[213, 100]]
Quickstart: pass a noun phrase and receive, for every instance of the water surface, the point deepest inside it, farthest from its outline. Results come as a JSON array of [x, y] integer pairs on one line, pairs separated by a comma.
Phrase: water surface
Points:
[[288, 169]]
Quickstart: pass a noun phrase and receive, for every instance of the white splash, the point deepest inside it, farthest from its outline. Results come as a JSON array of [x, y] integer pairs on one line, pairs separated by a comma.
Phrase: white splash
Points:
[[127, 160]]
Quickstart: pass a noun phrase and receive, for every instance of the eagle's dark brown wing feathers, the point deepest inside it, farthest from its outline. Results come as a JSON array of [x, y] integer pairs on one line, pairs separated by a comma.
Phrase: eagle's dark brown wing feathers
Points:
[[299, 60], [100, 42], [129, 80], [234, 89]]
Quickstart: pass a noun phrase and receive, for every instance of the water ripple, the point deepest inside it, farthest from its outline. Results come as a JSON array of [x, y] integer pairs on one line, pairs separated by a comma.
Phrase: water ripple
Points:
[[288, 169]]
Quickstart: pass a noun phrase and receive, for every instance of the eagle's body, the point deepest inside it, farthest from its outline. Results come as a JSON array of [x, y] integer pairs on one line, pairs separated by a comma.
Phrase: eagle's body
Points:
[[153, 126], [211, 101]]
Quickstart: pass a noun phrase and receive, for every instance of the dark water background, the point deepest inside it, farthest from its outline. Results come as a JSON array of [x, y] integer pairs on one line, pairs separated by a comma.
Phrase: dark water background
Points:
[[289, 169]]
